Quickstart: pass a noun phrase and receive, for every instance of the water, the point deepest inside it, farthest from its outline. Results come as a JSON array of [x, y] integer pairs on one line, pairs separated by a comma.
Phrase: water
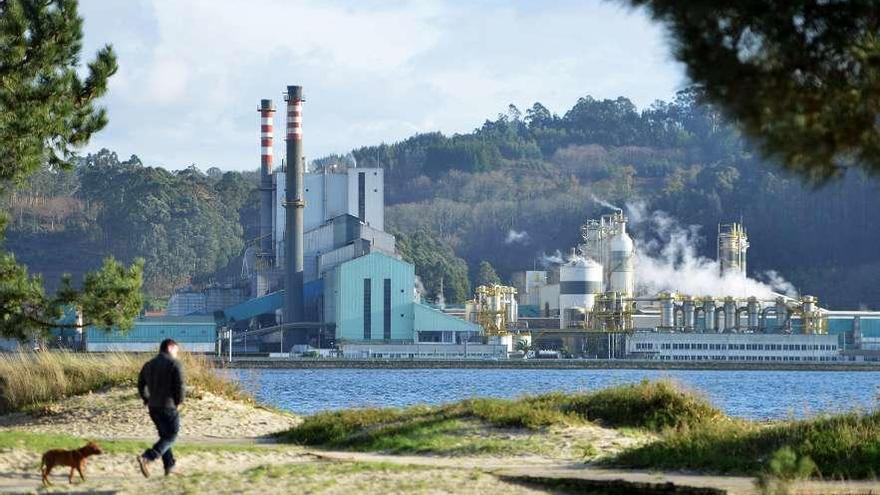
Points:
[[746, 394]]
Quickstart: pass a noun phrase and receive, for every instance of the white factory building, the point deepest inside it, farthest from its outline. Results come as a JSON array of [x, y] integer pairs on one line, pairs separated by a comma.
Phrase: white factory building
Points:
[[732, 347], [354, 192]]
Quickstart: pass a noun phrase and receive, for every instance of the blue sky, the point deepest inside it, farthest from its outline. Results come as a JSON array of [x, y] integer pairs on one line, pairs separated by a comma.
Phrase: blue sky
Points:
[[192, 72]]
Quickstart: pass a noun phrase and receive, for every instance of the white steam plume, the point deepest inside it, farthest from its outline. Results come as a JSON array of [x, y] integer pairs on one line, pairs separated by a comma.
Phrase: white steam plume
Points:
[[515, 237], [555, 258], [672, 264], [602, 202]]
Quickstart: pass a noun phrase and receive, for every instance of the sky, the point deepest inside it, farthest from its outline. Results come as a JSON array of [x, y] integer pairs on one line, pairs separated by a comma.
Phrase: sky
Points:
[[192, 72]]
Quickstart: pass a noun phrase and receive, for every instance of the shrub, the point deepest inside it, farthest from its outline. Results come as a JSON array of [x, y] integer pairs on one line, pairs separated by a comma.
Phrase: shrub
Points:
[[843, 446], [653, 405]]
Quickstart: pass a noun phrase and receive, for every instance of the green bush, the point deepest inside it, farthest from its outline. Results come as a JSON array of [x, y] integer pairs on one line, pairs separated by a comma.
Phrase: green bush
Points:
[[652, 405], [844, 446], [649, 405]]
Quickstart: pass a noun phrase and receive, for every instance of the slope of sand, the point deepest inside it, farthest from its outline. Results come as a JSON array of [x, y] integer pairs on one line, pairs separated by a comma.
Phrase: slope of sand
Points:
[[119, 413], [223, 450]]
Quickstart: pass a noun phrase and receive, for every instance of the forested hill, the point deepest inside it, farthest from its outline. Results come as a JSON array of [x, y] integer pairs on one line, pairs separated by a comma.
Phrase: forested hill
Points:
[[517, 187], [187, 225], [522, 185]]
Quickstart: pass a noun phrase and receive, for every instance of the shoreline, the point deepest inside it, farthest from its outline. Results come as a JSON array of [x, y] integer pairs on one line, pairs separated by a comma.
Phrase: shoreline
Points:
[[564, 364]]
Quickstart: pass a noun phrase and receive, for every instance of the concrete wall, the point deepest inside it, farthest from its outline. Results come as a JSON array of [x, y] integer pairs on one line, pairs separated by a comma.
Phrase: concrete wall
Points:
[[430, 350], [200, 348]]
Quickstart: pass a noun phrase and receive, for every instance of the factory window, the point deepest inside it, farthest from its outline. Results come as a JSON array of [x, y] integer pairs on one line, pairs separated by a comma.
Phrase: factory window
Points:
[[362, 204], [368, 308], [386, 316]]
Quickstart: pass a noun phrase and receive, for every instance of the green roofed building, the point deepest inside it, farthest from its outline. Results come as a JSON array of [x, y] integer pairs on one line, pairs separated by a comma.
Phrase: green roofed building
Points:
[[193, 333]]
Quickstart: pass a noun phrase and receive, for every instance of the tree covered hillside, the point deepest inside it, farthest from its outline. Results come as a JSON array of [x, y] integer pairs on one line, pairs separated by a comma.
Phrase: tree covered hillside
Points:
[[186, 225], [521, 185], [493, 200]]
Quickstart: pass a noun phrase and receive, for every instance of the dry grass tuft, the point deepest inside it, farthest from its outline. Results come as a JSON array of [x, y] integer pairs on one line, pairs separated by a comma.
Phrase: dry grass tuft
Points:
[[29, 380]]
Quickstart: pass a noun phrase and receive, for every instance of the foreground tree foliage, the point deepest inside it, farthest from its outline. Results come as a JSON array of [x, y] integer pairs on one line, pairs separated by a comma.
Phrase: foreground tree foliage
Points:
[[46, 110], [801, 78]]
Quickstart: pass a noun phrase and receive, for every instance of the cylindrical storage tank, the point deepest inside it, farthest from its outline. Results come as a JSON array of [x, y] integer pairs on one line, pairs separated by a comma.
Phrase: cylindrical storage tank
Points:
[[809, 304], [689, 318], [781, 313], [754, 313], [667, 310], [720, 320], [729, 314], [622, 274], [709, 312], [579, 281]]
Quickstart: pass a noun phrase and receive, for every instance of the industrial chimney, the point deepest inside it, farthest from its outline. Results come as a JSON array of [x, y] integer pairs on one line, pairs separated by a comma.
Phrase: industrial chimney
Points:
[[267, 117], [294, 204]]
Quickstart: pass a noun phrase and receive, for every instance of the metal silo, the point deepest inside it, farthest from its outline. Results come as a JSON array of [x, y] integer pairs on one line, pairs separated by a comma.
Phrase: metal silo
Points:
[[689, 309], [733, 243], [730, 322], [709, 314], [622, 276], [754, 313], [667, 310], [579, 281]]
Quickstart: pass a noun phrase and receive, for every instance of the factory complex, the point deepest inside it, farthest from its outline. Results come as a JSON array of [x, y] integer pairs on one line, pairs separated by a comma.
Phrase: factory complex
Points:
[[324, 278]]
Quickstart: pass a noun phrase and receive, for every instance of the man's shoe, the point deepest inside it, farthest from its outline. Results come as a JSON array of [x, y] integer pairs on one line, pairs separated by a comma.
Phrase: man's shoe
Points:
[[172, 471], [143, 463]]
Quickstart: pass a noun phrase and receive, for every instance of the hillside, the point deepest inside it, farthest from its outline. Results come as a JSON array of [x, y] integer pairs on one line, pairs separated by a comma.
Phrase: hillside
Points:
[[512, 191]]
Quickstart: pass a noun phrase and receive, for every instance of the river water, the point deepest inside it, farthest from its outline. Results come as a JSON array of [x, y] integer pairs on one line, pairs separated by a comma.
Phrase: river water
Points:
[[746, 394]]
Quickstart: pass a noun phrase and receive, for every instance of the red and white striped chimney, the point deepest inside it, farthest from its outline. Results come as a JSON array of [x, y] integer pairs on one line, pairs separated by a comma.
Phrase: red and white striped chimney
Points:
[[267, 135], [294, 118], [267, 116]]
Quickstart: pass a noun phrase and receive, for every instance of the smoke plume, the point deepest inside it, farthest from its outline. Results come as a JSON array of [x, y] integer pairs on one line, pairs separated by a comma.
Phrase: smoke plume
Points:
[[515, 237], [548, 260], [669, 261], [602, 202]]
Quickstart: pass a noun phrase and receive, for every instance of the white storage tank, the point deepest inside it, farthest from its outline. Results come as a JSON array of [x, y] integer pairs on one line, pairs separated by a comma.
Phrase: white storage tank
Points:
[[622, 273], [579, 281]]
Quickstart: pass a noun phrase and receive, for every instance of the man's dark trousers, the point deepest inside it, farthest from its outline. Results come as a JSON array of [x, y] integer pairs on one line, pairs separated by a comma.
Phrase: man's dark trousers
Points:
[[167, 424]]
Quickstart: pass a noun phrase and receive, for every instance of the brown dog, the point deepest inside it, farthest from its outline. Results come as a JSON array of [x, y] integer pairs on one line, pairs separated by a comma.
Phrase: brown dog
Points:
[[76, 459]]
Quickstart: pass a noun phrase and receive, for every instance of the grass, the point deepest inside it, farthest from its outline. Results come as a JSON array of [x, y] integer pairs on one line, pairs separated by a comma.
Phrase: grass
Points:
[[28, 380], [653, 405], [845, 446], [443, 429], [319, 477], [40, 442]]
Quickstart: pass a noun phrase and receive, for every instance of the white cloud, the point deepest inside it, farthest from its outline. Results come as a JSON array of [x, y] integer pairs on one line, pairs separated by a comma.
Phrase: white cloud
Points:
[[192, 73]]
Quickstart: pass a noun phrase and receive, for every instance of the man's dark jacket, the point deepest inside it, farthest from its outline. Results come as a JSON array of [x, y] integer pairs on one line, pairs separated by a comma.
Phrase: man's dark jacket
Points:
[[160, 383]]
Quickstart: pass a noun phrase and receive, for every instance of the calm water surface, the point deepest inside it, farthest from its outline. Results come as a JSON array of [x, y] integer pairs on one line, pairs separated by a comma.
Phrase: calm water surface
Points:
[[747, 394]]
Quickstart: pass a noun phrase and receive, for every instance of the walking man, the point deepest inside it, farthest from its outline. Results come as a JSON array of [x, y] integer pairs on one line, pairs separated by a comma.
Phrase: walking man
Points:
[[160, 385]]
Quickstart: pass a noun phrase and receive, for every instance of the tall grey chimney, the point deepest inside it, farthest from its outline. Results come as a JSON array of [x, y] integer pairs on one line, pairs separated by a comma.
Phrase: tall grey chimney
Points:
[[294, 204]]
